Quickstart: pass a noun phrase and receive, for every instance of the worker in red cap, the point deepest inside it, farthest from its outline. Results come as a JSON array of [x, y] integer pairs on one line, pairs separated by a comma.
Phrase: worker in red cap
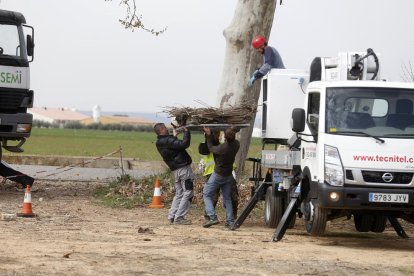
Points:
[[272, 58]]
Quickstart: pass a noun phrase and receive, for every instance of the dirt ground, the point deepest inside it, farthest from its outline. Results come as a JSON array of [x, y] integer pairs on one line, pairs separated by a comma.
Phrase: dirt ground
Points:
[[75, 235]]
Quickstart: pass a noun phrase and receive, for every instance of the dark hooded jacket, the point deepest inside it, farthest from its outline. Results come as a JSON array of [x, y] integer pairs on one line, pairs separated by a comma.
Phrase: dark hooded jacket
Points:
[[173, 150]]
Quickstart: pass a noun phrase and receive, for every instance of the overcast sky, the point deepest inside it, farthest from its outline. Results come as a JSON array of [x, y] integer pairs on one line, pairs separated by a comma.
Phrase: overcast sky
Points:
[[84, 57]]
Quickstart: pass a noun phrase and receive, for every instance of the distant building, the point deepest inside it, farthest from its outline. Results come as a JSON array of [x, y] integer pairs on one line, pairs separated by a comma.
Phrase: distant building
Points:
[[62, 116], [59, 116], [96, 113], [118, 119]]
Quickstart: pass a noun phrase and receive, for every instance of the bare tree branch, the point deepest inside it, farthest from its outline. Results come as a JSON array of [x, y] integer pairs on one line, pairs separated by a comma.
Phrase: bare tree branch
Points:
[[134, 21]]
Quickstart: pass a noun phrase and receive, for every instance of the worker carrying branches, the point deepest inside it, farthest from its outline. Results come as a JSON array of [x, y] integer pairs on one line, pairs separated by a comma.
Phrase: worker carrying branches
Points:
[[174, 154], [272, 58], [208, 164], [222, 176]]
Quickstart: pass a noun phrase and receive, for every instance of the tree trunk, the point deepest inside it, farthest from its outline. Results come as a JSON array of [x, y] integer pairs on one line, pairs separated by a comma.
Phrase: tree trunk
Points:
[[251, 18]]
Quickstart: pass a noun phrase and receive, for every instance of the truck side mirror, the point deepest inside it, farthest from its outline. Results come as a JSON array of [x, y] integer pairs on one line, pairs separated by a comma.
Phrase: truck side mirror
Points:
[[297, 122], [30, 45]]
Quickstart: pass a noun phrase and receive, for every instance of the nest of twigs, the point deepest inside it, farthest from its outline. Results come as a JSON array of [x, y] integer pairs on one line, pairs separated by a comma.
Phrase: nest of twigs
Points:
[[240, 114]]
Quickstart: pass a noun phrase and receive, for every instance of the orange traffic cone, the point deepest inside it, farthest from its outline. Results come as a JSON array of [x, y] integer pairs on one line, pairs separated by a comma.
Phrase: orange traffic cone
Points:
[[156, 199], [27, 205]]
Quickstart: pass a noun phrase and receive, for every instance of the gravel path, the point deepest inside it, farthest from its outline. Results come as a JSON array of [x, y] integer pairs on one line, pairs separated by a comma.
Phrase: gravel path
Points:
[[77, 174]]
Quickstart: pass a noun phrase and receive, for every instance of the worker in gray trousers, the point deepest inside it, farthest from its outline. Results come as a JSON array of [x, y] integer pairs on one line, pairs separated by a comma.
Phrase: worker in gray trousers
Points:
[[174, 154], [183, 195]]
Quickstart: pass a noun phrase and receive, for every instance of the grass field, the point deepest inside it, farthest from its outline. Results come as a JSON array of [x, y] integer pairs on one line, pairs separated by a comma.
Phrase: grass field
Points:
[[84, 142]]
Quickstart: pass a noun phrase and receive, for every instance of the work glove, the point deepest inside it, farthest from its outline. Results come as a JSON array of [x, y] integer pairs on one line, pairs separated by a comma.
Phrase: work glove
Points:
[[251, 81]]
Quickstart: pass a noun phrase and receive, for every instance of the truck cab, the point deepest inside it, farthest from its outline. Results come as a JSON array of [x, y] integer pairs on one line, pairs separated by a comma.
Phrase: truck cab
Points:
[[349, 148], [358, 157], [16, 52]]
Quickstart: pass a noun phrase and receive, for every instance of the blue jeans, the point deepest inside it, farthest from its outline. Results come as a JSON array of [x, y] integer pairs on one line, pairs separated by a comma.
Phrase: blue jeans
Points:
[[214, 182]]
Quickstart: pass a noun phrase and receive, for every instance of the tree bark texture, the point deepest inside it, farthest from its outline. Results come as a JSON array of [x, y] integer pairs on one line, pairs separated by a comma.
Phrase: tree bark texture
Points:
[[251, 18]]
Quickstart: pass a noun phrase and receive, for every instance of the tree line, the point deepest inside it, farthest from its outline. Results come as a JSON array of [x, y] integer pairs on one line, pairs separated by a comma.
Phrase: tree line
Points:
[[94, 126]]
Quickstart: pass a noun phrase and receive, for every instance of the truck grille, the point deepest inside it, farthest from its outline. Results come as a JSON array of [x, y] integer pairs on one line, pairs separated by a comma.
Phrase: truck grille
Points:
[[397, 177], [10, 101]]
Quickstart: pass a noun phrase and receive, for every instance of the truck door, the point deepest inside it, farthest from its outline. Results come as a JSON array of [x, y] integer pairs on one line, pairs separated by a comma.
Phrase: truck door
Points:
[[309, 151]]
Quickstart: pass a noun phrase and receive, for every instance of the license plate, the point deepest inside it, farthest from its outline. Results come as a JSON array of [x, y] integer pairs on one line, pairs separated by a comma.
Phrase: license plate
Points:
[[393, 198]]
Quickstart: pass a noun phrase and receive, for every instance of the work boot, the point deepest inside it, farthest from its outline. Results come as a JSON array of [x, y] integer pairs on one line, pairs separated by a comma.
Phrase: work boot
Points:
[[211, 222], [182, 221], [228, 225]]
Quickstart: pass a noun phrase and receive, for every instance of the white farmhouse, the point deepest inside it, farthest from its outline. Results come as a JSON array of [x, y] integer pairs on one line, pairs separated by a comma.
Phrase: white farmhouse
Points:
[[59, 116]]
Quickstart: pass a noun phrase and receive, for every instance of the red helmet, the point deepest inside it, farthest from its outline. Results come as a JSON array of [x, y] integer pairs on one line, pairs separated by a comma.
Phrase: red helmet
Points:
[[258, 41]]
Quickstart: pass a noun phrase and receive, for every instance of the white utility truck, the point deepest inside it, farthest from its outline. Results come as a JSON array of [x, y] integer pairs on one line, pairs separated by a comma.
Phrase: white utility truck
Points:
[[16, 45], [343, 146]]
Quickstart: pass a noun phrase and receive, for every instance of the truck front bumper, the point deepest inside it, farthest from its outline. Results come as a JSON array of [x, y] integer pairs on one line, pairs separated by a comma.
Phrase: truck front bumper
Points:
[[357, 198], [9, 125]]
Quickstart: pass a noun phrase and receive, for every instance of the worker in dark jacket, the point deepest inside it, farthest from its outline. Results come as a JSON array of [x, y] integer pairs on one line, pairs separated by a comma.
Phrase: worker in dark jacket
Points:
[[272, 58], [208, 169], [222, 176], [174, 154]]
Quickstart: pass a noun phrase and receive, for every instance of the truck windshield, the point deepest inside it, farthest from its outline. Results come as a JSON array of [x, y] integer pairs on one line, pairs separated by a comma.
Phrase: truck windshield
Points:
[[380, 112], [9, 40]]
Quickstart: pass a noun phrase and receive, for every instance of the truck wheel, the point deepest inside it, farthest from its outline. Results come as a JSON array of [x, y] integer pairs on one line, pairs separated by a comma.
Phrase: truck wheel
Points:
[[363, 223], [315, 218], [379, 224], [273, 210]]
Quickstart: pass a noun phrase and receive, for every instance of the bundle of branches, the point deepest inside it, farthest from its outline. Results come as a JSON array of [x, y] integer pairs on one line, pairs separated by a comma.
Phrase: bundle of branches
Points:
[[240, 114]]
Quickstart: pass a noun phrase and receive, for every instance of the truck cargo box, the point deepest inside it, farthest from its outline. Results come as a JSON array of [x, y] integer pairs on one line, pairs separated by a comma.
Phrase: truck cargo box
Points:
[[283, 90]]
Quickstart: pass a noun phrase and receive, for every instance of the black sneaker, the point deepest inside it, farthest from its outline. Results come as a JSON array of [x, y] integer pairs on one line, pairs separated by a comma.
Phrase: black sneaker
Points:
[[211, 222], [171, 220]]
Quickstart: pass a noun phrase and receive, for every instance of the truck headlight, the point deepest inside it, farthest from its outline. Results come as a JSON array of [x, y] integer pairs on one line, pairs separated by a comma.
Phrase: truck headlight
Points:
[[24, 128], [334, 171]]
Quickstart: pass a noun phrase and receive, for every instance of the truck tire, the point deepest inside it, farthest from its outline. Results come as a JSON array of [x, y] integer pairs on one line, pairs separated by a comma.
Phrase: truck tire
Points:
[[315, 218], [363, 223], [273, 210], [379, 224]]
